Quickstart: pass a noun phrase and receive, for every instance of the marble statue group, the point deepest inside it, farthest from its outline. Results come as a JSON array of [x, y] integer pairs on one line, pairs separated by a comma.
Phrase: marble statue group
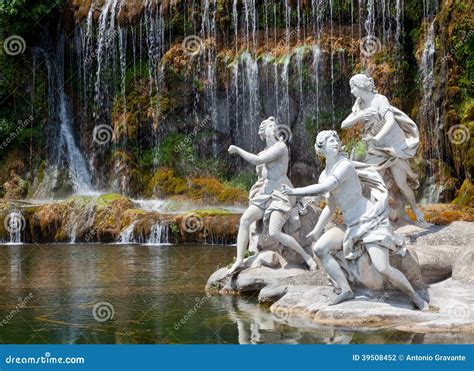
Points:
[[361, 191]]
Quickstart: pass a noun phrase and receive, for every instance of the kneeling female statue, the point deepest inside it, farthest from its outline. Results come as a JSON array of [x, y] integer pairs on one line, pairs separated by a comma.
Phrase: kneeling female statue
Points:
[[359, 192]]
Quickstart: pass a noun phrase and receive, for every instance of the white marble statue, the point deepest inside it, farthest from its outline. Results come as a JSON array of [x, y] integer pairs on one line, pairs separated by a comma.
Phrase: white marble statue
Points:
[[360, 194], [267, 203], [392, 139]]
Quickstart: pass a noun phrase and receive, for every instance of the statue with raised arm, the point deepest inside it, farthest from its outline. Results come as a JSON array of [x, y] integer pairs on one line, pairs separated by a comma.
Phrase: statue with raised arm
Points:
[[359, 192], [392, 140], [267, 203]]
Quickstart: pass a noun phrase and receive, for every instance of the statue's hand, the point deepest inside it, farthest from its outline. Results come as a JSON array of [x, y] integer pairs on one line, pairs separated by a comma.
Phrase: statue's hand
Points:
[[314, 234], [287, 190], [369, 140], [369, 113], [232, 149]]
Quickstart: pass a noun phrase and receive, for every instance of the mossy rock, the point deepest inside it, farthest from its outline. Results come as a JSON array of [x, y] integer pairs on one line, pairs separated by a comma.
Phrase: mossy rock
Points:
[[465, 195], [109, 199], [210, 212]]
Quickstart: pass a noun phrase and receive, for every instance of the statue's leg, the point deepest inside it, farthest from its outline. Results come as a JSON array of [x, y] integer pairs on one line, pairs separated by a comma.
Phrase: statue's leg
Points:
[[328, 242], [400, 177], [275, 226], [380, 259], [252, 214]]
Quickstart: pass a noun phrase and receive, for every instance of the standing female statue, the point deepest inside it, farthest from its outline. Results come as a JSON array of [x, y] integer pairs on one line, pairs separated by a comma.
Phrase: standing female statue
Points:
[[366, 220], [267, 203], [392, 137]]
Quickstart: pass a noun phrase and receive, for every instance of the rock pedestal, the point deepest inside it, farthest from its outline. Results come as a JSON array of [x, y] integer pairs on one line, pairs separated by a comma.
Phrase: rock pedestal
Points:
[[439, 264]]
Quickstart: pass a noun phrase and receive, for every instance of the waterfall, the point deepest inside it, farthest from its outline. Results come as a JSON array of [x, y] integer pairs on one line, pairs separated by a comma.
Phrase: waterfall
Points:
[[299, 55], [429, 113], [316, 71], [72, 233], [64, 153], [159, 234], [252, 63], [235, 26], [399, 23], [428, 81], [252, 108], [123, 64], [370, 20], [126, 236], [15, 238], [285, 103], [104, 52], [331, 52], [209, 33], [432, 192], [14, 224]]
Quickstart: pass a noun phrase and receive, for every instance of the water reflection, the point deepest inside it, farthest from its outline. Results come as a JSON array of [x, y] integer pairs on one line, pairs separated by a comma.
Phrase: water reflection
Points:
[[157, 295]]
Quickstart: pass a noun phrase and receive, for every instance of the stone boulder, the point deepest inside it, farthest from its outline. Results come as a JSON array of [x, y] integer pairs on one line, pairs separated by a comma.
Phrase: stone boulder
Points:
[[451, 308], [439, 247], [432, 256], [463, 267]]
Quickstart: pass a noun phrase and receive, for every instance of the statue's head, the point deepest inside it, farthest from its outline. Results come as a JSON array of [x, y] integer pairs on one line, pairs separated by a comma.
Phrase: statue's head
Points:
[[268, 128], [361, 82], [327, 142]]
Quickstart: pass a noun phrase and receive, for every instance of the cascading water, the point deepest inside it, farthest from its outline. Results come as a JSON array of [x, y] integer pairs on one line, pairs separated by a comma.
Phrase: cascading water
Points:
[[15, 223], [429, 112], [64, 154], [256, 68], [126, 236], [159, 234]]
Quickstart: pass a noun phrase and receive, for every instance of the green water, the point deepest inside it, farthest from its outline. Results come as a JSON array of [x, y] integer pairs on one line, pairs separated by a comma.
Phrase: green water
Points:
[[156, 294]]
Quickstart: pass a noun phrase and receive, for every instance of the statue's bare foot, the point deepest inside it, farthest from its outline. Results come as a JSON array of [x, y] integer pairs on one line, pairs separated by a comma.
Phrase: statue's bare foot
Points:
[[420, 303], [237, 267], [343, 296], [311, 264]]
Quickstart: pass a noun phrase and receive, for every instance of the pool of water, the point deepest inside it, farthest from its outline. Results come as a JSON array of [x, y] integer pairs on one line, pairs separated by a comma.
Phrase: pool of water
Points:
[[97, 293]]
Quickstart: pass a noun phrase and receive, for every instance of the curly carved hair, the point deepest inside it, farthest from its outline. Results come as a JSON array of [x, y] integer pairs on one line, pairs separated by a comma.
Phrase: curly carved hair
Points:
[[363, 82], [323, 136], [265, 123]]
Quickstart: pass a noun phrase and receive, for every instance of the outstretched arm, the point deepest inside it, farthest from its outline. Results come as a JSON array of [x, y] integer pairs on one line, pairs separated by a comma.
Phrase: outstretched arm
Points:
[[269, 155], [342, 171], [352, 119], [327, 185]]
